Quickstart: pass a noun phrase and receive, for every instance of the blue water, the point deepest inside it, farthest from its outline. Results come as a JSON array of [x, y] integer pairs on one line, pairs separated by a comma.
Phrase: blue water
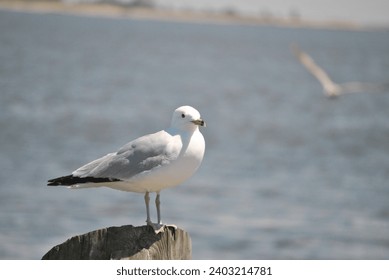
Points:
[[288, 174]]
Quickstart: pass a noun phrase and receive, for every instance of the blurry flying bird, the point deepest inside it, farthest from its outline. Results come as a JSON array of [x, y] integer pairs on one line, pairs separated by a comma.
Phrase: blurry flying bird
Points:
[[330, 88]]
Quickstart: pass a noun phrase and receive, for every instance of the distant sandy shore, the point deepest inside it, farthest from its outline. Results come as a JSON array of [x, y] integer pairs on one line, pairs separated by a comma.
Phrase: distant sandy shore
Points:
[[107, 10]]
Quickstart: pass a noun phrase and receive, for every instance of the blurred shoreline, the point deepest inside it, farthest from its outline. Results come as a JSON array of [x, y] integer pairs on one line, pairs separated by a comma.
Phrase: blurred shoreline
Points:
[[155, 13]]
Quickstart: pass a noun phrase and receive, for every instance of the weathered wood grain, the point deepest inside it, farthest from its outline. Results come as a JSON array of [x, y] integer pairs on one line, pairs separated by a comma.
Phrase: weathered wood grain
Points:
[[125, 242]]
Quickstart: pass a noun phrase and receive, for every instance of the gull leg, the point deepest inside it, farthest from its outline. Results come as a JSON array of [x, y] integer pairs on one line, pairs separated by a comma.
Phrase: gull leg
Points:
[[158, 205], [158, 227], [147, 201]]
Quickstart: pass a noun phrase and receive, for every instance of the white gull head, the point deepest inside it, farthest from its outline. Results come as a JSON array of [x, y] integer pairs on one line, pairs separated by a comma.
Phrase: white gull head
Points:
[[186, 118]]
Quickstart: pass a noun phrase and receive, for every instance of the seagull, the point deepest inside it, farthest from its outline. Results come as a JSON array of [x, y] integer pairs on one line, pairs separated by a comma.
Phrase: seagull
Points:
[[147, 164], [330, 88]]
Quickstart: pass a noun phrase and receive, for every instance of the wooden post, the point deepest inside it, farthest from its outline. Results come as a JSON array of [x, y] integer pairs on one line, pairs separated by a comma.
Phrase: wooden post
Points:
[[125, 242]]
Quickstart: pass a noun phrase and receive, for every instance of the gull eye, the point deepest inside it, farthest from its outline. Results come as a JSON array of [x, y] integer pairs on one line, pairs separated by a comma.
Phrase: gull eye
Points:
[[182, 115]]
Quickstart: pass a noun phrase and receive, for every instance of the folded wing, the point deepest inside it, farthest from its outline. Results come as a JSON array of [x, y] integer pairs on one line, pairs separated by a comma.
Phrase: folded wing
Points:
[[138, 156]]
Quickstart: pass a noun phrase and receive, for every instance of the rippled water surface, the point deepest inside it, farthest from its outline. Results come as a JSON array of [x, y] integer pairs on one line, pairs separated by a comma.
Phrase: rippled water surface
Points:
[[288, 174]]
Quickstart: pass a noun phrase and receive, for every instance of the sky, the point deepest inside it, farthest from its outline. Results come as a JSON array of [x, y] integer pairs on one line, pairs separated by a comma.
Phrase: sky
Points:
[[364, 12]]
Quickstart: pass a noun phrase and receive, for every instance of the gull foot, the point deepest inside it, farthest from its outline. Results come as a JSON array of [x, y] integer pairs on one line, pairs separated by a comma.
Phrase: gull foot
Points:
[[160, 227], [156, 227]]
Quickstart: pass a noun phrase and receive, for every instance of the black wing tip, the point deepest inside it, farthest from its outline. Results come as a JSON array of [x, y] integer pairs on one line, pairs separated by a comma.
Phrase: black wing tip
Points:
[[60, 181], [70, 180]]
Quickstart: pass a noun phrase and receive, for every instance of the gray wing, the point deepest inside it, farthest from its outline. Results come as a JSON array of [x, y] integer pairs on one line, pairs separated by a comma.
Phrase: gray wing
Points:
[[140, 155], [313, 68]]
